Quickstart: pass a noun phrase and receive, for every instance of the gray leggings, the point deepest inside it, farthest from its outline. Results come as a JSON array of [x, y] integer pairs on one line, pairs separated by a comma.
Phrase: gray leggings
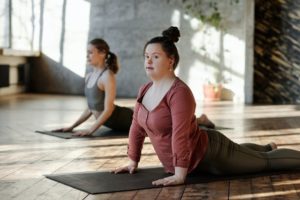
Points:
[[223, 156]]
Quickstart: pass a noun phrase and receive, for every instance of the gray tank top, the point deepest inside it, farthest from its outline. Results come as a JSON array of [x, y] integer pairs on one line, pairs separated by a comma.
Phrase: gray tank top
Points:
[[95, 96]]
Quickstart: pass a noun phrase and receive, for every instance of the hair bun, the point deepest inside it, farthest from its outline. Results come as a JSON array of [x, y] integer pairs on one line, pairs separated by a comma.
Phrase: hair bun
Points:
[[172, 33]]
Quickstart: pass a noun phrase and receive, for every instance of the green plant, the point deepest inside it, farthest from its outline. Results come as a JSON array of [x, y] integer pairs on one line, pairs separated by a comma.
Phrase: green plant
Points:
[[207, 11]]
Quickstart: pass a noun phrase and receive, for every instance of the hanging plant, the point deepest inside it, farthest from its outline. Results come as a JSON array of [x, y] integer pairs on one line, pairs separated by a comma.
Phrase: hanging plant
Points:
[[207, 11]]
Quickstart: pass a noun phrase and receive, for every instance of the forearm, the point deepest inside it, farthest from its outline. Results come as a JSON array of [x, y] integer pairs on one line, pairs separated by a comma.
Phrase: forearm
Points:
[[136, 141], [102, 118], [84, 116]]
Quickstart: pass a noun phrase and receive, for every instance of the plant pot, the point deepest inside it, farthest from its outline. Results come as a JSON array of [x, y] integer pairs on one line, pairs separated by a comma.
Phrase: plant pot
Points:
[[212, 92]]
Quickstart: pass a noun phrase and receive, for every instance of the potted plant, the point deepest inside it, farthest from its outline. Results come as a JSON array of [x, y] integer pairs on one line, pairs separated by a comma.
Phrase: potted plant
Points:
[[214, 86], [212, 91], [208, 11]]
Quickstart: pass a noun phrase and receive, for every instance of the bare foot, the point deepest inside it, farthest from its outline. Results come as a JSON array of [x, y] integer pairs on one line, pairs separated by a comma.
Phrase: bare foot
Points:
[[204, 121], [273, 145]]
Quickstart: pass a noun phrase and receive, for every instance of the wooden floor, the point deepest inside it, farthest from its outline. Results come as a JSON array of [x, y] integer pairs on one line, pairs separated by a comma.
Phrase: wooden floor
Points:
[[25, 156]]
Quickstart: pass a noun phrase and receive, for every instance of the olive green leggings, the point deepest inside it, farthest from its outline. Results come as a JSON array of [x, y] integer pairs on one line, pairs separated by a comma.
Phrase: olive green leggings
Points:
[[223, 156]]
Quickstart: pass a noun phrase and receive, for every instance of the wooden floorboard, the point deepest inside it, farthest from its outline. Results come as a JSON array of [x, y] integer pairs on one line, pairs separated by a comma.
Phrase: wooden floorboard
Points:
[[26, 156]]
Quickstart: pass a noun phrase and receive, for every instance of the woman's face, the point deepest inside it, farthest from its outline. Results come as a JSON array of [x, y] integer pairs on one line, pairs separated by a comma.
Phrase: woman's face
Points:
[[94, 56], [157, 63]]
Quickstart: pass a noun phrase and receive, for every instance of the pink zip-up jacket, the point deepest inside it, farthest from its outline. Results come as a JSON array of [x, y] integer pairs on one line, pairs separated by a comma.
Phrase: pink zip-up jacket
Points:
[[172, 128]]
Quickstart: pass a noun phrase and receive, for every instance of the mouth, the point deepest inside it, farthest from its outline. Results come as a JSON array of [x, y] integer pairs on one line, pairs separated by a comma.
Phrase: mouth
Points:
[[149, 68]]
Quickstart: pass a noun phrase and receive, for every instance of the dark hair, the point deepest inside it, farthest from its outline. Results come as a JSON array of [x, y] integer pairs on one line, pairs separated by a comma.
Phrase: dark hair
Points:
[[111, 58], [167, 40]]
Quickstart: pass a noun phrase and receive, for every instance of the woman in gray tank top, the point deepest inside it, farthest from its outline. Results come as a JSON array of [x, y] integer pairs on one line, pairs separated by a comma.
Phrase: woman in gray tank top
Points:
[[100, 92]]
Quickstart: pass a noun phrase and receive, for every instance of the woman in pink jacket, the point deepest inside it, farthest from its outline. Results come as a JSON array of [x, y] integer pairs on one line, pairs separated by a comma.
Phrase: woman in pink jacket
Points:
[[165, 113]]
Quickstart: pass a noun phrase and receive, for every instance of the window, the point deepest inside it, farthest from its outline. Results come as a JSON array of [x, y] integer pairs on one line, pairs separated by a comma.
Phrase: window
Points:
[[20, 30]]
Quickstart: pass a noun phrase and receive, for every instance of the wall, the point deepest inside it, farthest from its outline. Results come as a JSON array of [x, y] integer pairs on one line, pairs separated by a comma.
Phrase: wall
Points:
[[207, 54], [277, 52], [50, 76]]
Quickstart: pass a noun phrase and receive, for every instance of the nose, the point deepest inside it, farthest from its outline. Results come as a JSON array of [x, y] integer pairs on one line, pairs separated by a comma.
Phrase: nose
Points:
[[149, 60]]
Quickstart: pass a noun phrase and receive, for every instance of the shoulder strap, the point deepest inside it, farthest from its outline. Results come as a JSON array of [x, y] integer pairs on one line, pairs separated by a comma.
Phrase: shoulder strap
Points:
[[102, 73], [87, 78]]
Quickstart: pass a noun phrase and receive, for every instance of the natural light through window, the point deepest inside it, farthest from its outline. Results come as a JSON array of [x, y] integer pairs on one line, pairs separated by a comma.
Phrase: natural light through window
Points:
[[175, 19], [25, 25], [219, 58], [234, 57], [72, 52], [76, 35], [199, 73], [206, 43], [4, 25], [52, 28]]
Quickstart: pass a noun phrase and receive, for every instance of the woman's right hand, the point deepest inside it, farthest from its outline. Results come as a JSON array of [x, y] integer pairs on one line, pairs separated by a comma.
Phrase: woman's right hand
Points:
[[130, 168], [67, 129]]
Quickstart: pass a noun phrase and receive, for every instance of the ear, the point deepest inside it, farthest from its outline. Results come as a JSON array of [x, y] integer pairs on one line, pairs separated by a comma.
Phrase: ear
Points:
[[172, 61]]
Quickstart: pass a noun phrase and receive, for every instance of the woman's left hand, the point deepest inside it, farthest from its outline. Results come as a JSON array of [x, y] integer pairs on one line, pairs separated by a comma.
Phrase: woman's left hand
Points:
[[171, 180], [82, 133]]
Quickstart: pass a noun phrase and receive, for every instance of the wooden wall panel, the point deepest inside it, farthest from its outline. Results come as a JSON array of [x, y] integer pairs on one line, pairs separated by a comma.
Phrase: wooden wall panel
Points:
[[277, 52]]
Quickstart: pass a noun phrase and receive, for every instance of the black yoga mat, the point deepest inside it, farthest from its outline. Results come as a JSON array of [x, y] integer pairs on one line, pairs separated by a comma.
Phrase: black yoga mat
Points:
[[102, 132], [219, 128], [106, 182]]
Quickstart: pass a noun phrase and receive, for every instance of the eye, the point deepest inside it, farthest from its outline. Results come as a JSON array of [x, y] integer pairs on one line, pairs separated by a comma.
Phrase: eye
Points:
[[156, 57]]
